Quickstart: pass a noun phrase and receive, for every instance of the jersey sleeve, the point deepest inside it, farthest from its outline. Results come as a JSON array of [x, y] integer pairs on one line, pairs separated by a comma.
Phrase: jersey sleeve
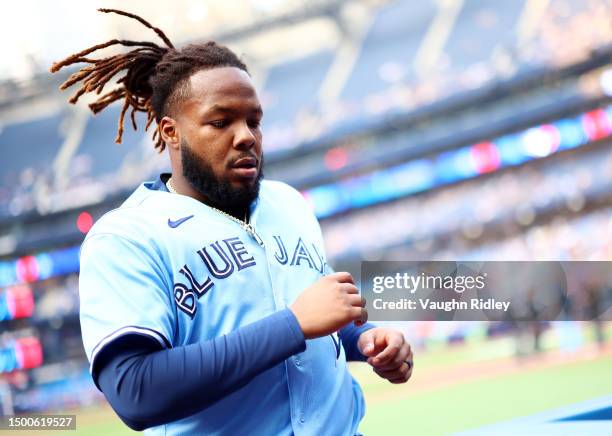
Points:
[[124, 295]]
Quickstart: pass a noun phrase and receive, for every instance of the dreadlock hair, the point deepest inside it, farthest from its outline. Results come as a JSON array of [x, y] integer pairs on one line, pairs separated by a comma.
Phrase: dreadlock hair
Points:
[[155, 79]]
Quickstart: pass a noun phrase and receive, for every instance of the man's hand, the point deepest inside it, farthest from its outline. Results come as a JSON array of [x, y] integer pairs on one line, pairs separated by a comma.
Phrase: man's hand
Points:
[[388, 353], [328, 305]]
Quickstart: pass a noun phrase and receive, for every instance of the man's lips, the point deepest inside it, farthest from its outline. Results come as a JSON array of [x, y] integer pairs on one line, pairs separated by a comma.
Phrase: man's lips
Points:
[[245, 167], [245, 162]]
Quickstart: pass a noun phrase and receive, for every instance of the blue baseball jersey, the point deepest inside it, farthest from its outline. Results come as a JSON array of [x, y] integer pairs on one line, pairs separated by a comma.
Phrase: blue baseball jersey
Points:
[[169, 268]]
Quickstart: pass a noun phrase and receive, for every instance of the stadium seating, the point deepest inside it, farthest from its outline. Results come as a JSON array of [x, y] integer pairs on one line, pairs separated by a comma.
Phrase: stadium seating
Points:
[[382, 82], [393, 39], [98, 148], [293, 85], [30, 147]]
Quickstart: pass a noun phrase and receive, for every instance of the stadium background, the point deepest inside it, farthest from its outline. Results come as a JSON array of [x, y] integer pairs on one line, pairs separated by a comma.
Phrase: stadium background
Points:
[[437, 129]]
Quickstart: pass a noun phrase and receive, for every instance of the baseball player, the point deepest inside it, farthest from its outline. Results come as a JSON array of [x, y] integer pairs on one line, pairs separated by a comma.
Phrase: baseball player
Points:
[[207, 306]]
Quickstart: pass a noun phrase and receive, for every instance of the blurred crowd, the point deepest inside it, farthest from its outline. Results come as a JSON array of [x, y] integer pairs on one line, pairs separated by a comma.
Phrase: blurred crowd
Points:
[[447, 222], [566, 32]]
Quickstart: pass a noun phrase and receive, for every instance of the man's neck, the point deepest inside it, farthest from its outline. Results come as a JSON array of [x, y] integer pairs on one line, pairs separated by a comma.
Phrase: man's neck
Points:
[[240, 212]]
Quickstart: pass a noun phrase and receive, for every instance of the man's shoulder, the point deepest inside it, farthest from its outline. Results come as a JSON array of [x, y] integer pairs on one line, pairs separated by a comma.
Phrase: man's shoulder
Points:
[[279, 196], [136, 217], [274, 189]]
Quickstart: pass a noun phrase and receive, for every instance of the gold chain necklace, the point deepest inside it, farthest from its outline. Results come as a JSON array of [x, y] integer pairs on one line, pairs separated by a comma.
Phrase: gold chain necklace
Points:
[[244, 224]]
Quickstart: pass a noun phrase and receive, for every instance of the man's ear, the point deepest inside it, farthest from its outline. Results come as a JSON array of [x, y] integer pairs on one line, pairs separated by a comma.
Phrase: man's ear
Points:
[[169, 132]]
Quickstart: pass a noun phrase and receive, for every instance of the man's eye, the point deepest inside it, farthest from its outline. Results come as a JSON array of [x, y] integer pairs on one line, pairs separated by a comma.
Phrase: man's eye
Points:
[[254, 124], [219, 124]]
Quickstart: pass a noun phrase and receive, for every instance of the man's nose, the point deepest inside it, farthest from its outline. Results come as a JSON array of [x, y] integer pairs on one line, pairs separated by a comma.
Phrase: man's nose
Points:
[[244, 136]]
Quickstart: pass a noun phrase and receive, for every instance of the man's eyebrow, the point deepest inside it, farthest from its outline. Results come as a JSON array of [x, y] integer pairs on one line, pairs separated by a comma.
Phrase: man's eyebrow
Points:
[[218, 108]]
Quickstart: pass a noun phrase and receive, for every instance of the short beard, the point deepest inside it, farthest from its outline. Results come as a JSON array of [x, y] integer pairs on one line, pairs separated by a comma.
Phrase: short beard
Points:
[[219, 193]]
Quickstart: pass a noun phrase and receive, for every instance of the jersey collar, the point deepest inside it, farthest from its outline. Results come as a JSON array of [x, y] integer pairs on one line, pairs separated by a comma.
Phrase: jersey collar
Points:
[[159, 184]]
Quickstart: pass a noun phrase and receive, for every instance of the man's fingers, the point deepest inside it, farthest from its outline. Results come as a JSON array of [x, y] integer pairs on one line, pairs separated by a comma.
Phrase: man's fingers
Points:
[[357, 300], [399, 380], [405, 353], [395, 360], [400, 375], [385, 356], [393, 347], [401, 372], [359, 314], [364, 316], [378, 342], [349, 288], [343, 277]]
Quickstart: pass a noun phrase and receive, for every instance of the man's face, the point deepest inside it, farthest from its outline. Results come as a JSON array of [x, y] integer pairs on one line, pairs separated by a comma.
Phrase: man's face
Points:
[[220, 147]]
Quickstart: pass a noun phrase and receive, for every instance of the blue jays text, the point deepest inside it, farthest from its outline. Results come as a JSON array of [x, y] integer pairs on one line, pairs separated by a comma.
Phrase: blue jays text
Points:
[[232, 256]]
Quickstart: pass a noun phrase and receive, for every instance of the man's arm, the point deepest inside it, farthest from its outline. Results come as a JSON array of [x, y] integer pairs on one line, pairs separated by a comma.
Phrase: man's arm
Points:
[[349, 335], [148, 387]]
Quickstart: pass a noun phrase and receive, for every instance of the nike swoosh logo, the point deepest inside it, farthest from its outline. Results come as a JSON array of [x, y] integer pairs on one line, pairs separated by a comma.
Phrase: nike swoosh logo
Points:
[[178, 222]]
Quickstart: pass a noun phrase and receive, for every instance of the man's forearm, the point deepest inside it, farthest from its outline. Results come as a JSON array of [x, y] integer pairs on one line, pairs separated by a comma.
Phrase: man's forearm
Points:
[[349, 335], [152, 388]]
